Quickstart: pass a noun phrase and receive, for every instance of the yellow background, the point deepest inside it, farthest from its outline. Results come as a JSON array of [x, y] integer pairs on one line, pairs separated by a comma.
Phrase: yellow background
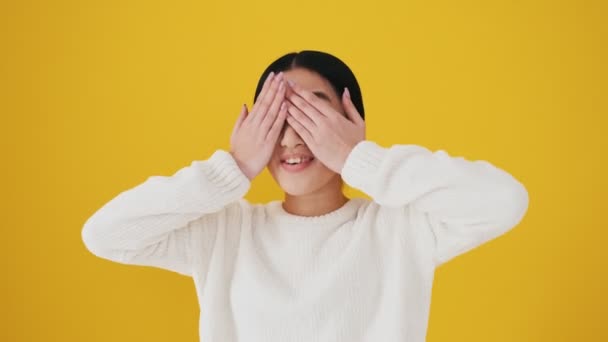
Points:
[[97, 96]]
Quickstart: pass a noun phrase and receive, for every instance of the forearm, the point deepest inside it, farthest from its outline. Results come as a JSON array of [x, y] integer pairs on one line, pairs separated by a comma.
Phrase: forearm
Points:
[[145, 214], [449, 188]]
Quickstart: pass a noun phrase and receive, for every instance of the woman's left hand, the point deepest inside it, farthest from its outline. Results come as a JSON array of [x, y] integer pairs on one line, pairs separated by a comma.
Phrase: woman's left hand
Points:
[[328, 134]]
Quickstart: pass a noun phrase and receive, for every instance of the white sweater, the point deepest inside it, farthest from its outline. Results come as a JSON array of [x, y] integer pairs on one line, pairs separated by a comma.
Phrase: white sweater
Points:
[[363, 272]]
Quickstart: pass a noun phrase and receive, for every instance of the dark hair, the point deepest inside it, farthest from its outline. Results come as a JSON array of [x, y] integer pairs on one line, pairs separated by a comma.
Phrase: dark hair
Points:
[[328, 66]]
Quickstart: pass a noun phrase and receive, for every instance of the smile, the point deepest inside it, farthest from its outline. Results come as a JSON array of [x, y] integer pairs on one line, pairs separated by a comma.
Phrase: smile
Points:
[[297, 164]]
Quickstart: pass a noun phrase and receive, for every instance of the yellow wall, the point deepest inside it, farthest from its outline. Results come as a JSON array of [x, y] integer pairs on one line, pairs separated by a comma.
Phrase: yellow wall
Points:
[[97, 96]]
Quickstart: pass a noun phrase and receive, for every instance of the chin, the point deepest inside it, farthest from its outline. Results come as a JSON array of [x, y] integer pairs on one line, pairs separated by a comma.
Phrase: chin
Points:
[[299, 184], [295, 188], [306, 185]]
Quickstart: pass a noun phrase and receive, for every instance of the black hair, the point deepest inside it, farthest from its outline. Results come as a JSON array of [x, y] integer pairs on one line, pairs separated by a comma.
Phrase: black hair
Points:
[[326, 65]]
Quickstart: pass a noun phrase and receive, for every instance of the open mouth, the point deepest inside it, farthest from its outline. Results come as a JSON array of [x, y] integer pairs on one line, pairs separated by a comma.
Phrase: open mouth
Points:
[[298, 160], [296, 164]]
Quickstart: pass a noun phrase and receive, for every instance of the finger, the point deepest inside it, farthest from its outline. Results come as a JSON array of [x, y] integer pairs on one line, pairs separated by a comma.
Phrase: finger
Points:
[[277, 126], [239, 120], [266, 101], [350, 108], [309, 99], [264, 90], [300, 117], [273, 110], [301, 130], [306, 109], [242, 116]]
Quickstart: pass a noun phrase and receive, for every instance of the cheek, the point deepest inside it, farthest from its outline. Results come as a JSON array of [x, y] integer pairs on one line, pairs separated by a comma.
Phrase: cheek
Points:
[[324, 172], [273, 163]]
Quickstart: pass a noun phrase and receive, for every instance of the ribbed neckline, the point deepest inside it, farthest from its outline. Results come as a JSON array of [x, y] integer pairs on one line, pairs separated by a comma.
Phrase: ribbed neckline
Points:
[[338, 216]]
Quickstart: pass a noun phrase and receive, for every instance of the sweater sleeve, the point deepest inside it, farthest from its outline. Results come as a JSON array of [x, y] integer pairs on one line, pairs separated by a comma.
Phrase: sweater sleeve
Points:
[[151, 224], [463, 203]]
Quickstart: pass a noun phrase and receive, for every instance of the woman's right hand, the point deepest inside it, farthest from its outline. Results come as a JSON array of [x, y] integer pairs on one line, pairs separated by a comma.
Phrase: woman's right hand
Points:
[[255, 134]]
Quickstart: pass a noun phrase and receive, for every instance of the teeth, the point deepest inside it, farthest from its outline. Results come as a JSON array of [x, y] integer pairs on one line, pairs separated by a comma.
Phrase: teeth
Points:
[[296, 160]]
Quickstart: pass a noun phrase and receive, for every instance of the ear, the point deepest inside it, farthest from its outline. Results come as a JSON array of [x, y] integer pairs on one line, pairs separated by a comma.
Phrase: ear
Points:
[[350, 108]]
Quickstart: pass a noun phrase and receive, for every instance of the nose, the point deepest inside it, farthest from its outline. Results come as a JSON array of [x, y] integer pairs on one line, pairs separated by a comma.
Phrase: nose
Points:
[[289, 138]]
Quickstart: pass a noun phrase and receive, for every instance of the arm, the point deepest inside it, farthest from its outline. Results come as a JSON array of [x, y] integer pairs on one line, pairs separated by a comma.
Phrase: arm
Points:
[[464, 203], [152, 223]]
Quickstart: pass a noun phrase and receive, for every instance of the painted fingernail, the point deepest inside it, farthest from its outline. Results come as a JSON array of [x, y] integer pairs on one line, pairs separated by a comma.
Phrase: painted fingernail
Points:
[[347, 92]]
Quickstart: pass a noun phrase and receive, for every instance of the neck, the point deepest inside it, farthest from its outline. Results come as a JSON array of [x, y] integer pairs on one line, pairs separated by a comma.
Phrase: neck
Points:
[[315, 204]]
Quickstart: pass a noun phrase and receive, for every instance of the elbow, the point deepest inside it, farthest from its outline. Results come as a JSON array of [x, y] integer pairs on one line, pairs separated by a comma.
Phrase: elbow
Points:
[[515, 205], [90, 241], [93, 242], [98, 248]]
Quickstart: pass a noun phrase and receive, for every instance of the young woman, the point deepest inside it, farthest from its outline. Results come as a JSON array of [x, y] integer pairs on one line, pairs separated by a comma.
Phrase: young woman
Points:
[[316, 266]]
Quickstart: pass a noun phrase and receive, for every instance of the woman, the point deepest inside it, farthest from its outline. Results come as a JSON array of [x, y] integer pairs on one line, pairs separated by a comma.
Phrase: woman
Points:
[[316, 266]]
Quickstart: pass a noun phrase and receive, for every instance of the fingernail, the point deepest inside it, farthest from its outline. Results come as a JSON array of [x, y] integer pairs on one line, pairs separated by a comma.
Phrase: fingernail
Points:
[[270, 75], [291, 83], [347, 92]]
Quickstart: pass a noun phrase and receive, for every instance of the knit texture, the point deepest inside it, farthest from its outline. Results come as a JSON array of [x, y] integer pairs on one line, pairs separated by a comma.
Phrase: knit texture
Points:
[[363, 272]]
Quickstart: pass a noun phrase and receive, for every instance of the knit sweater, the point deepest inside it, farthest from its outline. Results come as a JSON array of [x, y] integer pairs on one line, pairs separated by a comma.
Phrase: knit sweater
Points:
[[362, 272]]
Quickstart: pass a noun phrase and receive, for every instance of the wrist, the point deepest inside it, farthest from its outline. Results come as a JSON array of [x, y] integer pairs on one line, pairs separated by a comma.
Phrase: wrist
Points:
[[345, 154], [242, 166]]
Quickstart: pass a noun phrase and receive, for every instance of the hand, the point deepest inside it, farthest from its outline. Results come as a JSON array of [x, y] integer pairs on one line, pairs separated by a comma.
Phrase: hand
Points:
[[328, 134], [255, 134]]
